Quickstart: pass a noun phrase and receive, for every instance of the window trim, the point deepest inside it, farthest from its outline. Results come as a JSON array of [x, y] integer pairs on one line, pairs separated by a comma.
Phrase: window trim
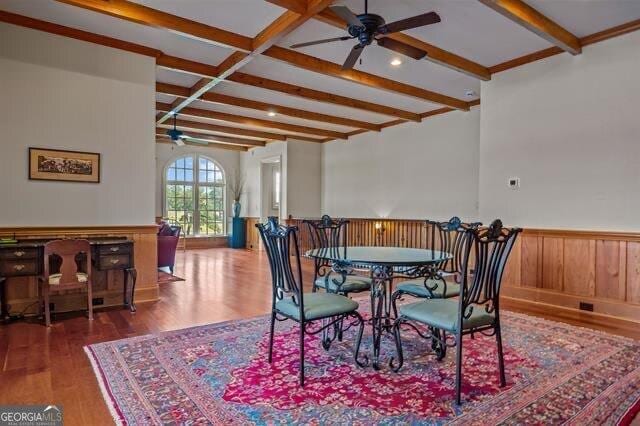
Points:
[[196, 185]]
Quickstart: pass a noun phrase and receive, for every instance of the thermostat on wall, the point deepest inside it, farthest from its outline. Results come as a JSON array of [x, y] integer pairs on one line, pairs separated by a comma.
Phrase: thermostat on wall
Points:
[[514, 182]]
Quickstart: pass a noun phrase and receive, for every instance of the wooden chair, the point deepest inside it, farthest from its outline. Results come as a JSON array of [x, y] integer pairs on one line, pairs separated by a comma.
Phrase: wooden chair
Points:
[[68, 254], [315, 312], [477, 309]]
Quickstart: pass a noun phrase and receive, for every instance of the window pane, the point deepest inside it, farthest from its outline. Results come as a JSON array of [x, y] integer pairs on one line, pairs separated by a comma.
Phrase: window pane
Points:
[[202, 176], [171, 173], [203, 163], [180, 163], [188, 163], [188, 175]]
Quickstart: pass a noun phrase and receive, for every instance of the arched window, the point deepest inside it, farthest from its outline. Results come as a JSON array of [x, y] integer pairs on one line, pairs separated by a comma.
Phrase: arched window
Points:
[[195, 195]]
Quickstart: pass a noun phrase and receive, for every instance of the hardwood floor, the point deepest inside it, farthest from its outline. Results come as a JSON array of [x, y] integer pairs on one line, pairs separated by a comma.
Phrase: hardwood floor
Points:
[[44, 366]]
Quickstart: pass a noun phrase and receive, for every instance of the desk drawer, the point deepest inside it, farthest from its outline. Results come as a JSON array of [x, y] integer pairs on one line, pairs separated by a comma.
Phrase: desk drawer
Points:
[[13, 268], [114, 249], [18, 253], [114, 261]]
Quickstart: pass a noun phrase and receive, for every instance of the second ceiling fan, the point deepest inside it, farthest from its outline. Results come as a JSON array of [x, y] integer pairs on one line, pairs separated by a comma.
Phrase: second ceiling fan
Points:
[[369, 27]]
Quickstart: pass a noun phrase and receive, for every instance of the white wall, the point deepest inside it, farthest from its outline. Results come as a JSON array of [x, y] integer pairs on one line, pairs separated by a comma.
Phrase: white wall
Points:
[[62, 93], [166, 154], [415, 170], [569, 127], [304, 183], [251, 170]]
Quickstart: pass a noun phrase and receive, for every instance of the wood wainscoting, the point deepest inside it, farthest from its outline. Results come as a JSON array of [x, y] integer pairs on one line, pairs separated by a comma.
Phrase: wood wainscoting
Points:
[[553, 269], [22, 292]]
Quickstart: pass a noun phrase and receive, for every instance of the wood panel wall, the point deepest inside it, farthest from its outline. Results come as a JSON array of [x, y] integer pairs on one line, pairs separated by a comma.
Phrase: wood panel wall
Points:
[[23, 291], [555, 268]]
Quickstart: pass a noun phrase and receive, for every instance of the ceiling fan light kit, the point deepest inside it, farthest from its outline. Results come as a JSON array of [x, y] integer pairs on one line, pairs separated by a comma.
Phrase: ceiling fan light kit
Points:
[[369, 27]]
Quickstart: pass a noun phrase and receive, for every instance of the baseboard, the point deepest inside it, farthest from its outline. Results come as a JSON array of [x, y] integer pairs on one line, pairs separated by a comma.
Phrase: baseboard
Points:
[[615, 324]]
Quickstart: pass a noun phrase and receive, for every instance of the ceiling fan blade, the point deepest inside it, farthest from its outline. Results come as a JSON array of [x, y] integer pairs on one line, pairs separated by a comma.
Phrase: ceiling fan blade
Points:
[[409, 23], [405, 49], [195, 140], [326, 40], [346, 14], [353, 57]]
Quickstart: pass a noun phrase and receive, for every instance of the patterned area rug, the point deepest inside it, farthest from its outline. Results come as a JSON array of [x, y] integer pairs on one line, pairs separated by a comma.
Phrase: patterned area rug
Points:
[[218, 374]]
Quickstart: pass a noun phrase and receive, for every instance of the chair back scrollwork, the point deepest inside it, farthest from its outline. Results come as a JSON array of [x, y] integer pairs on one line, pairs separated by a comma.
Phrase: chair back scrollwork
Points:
[[281, 246], [451, 237], [491, 248], [329, 235]]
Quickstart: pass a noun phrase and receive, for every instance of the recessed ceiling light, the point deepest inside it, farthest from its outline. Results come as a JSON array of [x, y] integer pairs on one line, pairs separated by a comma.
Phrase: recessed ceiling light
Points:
[[271, 114], [396, 62]]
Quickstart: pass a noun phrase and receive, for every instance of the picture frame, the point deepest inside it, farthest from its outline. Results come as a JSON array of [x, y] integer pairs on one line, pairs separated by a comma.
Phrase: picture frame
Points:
[[64, 166]]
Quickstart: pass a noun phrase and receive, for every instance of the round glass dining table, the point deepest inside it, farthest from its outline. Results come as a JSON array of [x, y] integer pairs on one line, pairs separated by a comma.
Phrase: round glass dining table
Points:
[[383, 265]]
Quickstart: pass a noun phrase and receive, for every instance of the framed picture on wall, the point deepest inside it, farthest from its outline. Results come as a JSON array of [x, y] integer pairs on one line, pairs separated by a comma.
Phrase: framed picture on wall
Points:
[[67, 166]]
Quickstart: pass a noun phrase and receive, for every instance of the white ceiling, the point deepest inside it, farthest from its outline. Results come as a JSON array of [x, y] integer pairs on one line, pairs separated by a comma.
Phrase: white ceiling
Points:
[[468, 28]]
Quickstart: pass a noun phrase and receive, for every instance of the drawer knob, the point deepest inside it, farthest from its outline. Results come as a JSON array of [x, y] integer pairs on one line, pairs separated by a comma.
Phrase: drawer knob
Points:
[[18, 253], [18, 267], [115, 261], [115, 249]]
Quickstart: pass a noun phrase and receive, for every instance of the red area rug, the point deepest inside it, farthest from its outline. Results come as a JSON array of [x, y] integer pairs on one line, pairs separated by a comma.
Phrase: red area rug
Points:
[[218, 374]]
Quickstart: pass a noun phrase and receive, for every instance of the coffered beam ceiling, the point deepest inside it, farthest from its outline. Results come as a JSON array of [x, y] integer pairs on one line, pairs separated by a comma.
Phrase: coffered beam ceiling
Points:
[[155, 18], [217, 98], [250, 121], [434, 54], [209, 144], [225, 130], [204, 70], [279, 28], [162, 131], [528, 17]]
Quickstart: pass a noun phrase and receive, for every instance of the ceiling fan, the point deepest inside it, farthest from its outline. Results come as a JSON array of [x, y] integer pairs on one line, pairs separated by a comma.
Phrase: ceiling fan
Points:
[[179, 138], [176, 135], [367, 27]]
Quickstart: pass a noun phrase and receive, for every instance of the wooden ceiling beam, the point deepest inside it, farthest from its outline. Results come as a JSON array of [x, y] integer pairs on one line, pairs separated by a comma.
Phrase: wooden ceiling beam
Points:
[[217, 98], [528, 17], [186, 66], [275, 31], [612, 32], [250, 121], [319, 96], [227, 130], [266, 40], [321, 66], [164, 140], [144, 15], [49, 27], [434, 54], [162, 131]]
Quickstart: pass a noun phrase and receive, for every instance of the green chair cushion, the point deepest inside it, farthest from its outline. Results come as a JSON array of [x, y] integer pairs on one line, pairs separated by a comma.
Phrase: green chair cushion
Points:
[[352, 283], [317, 305], [416, 288], [443, 314]]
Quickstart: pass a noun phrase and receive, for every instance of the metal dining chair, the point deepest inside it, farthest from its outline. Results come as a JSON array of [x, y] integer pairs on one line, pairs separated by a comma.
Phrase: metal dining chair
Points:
[[448, 237], [331, 235], [290, 302], [65, 256], [477, 309]]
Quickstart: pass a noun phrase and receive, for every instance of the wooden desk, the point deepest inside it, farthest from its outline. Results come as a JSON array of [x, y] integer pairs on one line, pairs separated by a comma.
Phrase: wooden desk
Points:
[[26, 258]]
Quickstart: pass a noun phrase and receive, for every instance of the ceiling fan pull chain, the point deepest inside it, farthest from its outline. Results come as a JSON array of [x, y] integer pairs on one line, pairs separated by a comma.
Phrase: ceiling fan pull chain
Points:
[[366, 6]]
